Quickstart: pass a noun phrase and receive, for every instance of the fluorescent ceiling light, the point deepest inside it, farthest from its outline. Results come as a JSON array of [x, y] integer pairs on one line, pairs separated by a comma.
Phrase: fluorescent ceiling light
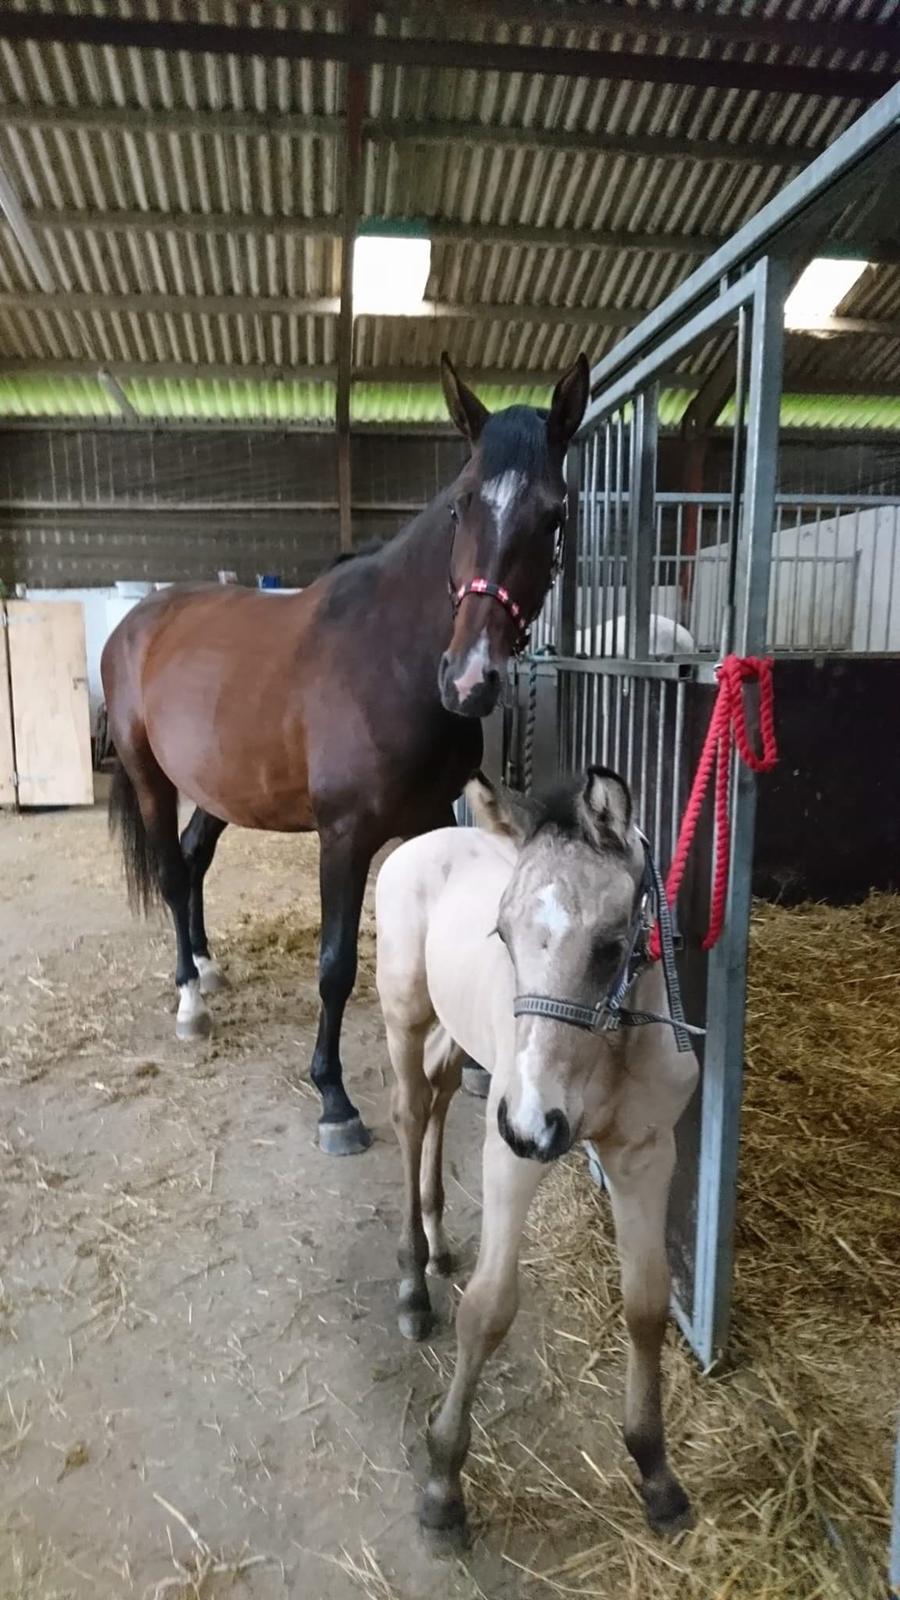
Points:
[[820, 290], [389, 275]]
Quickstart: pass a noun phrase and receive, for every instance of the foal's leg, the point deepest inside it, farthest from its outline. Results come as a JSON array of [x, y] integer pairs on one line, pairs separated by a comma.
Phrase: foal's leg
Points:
[[198, 846], [638, 1182], [443, 1068], [343, 866], [484, 1317], [410, 1106]]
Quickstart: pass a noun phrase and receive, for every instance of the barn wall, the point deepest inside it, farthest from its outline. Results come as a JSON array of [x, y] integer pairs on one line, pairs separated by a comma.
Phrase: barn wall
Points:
[[828, 822], [88, 507]]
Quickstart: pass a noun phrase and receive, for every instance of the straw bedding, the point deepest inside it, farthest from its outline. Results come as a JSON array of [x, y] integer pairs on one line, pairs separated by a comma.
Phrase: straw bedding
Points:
[[787, 1456]]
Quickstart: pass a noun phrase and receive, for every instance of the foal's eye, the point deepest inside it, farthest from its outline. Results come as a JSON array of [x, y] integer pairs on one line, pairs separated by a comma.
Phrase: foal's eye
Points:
[[454, 514], [607, 951]]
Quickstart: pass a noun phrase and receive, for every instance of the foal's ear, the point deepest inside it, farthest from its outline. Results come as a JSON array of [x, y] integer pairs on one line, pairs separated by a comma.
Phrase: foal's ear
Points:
[[570, 398], [606, 808], [465, 408], [499, 810]]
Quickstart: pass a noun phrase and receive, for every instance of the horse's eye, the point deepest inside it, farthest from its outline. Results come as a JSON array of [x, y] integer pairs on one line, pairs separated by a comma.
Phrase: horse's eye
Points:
[[454, 514]]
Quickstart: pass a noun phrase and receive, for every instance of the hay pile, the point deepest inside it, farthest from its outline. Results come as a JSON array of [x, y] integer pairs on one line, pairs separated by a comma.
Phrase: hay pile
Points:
[[788, 1456]]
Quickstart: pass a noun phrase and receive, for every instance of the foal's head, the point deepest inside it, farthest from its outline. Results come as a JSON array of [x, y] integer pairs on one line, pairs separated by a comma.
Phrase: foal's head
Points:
[[507, 510], [566, 919]]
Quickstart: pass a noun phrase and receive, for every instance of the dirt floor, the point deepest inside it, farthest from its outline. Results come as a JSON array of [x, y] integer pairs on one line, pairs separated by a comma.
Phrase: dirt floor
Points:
[[202, 1386], [202, 1389]]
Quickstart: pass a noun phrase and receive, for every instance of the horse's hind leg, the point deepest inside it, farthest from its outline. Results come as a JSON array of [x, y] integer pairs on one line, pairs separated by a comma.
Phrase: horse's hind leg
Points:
[[343, 866], [443, 1068], [198, 846], [157, 799], [638, 1183]]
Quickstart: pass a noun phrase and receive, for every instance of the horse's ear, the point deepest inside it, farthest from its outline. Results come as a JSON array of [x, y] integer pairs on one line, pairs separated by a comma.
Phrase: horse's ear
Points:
[[605, 806], [465, 408], [500, 810], [567, 407]]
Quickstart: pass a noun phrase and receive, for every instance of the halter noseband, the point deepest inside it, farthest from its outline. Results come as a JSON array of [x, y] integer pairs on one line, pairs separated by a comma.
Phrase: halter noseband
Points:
[[609, 1014], [493, 591], [496, 591]]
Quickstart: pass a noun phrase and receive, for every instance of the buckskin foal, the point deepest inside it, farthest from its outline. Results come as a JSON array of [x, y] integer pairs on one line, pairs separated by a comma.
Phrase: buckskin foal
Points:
[[518, 946]]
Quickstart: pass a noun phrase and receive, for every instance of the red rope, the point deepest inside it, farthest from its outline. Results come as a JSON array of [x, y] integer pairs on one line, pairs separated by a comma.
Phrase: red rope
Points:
[[728, 722]]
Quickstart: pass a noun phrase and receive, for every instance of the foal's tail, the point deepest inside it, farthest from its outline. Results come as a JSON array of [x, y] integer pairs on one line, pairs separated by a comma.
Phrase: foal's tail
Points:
[[139, 858]]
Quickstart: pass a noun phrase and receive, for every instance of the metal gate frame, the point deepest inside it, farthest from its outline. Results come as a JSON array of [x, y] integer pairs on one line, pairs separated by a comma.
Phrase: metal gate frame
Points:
[[755, 304]]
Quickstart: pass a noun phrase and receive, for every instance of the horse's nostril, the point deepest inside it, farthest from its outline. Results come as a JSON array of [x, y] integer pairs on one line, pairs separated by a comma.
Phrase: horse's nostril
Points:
[[557, 1137]]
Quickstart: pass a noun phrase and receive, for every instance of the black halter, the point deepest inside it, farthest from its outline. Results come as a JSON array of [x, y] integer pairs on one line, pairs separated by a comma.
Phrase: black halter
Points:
[[609, 1014]]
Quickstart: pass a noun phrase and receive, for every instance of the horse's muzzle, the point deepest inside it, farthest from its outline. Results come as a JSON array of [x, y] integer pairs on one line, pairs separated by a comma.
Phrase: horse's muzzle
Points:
[[552, 1142], [465, 698]]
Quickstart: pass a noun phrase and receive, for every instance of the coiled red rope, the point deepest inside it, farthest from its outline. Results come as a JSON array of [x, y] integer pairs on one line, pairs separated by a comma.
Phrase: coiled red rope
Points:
[[728, 724]]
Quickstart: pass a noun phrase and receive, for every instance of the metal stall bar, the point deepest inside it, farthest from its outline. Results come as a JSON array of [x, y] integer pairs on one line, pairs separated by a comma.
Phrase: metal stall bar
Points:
[[805, 207], [727, 983], [894, 1560]]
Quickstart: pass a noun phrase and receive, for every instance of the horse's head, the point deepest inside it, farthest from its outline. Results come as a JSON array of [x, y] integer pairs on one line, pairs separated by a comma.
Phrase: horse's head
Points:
[[568, 919], [507, 510]]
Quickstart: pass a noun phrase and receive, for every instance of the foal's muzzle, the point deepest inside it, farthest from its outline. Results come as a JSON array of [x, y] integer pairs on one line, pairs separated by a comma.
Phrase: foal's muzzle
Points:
[[551, 1143]]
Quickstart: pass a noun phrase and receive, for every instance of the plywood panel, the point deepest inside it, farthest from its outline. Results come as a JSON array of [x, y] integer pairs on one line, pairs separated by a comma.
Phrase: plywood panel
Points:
[[51, 714], [7, 750]]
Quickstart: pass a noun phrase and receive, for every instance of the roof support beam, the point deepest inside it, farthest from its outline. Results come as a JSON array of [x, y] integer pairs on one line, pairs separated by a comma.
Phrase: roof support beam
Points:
[[161, 121], [640, 21], [440, 229], [62, 304], [256, 372], [358, 50], [352, 160]]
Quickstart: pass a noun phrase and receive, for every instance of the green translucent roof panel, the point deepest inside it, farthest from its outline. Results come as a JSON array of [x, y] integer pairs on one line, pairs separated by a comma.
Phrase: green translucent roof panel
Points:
[[37, 396]]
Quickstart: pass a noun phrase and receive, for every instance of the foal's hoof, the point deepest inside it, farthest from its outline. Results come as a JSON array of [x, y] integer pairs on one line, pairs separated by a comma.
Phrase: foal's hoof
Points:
[[476, 1081], [440, 1266], [668, 1509], [344, 1138], [196, 1026], [212, 978], [415, 1324], [444, 1524]]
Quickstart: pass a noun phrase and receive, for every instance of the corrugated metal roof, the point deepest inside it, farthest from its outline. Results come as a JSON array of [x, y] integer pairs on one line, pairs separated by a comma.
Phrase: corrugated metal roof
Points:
[[138, 131]]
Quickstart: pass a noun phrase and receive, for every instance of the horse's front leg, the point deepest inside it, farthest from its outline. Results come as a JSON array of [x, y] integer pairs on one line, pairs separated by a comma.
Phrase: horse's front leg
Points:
[[638, 1180], [484, 1317], [343, 867]]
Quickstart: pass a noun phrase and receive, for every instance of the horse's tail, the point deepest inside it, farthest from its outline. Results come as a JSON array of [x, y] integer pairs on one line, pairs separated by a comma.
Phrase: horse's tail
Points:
[[139, 858]]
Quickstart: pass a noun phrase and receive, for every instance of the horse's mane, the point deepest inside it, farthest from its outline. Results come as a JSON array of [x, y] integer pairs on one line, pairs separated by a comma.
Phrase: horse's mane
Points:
[[371, 547]]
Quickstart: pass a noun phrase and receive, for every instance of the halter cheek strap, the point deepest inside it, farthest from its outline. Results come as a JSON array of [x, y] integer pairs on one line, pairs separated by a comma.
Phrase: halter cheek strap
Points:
[[494, 591]]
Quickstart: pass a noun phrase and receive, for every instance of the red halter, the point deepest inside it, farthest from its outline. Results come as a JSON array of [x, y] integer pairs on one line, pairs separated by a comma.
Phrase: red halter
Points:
[[496, 591]]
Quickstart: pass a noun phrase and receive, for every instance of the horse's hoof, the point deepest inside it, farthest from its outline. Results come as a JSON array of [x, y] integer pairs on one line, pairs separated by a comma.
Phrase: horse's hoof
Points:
[[440, 1266], [212, 978], [415, 1324], [344, 1138], [476, 1081], [668, 1509], [197, 1026], [444, 1524]]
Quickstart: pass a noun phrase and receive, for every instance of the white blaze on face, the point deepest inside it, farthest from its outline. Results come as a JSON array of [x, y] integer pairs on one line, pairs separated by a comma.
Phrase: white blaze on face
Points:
[[499, 495], [550, 913], [473, 668], [530, 1117]]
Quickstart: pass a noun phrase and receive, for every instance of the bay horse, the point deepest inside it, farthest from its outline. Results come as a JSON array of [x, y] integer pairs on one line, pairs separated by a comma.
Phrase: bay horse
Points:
[[478, 933], [351, 709]]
